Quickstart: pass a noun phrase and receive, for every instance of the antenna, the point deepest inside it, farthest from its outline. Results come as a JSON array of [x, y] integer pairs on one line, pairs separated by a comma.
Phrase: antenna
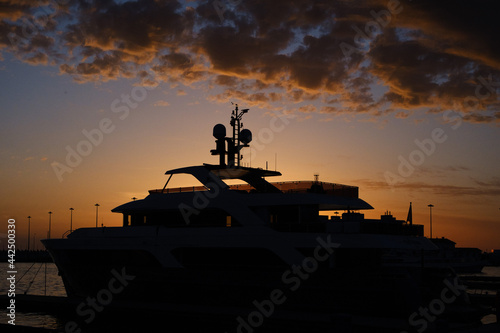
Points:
[[240, 139], [239, 136]]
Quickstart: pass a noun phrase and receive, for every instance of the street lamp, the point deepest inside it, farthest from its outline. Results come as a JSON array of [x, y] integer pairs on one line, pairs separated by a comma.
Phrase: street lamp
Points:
[[29, 232], [71, 220], [96, 214], [50, 222], [430, 211]]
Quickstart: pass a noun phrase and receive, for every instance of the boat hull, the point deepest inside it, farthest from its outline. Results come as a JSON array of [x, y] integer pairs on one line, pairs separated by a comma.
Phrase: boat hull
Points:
[[351, 285]]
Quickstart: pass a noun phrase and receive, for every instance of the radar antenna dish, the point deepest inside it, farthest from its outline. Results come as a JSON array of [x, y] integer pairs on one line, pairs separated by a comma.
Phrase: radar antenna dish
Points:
[[246, 136]]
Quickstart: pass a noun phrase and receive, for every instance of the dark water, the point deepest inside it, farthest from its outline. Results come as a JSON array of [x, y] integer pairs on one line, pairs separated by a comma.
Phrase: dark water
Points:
[[43, 279]]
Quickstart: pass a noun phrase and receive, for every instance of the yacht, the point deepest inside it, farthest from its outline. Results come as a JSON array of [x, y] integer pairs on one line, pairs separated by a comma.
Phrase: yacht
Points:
[[256, 247]]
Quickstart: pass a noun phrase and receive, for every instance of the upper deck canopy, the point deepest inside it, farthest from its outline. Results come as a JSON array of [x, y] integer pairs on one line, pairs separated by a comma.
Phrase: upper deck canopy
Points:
[[225, 172], [240, 172], [211, 175]]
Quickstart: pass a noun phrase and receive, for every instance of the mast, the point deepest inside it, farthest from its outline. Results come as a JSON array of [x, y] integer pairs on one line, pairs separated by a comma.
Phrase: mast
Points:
[[240, 139], [236, 142]]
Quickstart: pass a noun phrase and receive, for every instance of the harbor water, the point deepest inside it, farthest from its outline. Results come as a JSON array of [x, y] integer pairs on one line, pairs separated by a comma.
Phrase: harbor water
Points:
[[43, 279]]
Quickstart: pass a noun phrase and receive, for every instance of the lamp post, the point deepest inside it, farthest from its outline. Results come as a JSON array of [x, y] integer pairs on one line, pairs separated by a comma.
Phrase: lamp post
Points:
[[50, 222], [430, 216], [71, 220], [96, 214], [29, 231]]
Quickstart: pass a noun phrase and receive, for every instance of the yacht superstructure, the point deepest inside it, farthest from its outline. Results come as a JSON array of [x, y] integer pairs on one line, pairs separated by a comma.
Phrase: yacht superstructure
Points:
[[229, 245]]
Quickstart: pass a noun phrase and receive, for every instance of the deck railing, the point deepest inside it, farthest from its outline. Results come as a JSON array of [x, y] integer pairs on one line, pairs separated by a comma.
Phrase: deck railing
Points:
[[285, 187]]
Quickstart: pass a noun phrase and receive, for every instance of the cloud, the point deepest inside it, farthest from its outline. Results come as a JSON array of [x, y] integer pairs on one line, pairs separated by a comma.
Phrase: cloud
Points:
[[402, 115], [14, 9], [309, 108], [477, 188], [438, 189], [161, 103], [442, 172], [494, 182], [427, 55]]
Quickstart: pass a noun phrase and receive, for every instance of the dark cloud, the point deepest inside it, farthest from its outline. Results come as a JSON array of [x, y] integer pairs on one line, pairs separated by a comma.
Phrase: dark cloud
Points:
[[466, 28], [494, 182], [14, 9], [439, 55]]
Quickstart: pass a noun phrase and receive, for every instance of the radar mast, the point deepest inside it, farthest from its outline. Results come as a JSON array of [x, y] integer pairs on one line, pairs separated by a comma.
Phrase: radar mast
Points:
[[240, 139]]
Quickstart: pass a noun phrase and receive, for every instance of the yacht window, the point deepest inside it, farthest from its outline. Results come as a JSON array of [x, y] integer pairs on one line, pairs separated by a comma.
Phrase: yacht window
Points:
[[174, 219]]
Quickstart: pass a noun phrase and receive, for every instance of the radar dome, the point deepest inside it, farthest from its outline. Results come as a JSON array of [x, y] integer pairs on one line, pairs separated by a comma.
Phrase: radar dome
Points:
[[219, 131], [246, 136]]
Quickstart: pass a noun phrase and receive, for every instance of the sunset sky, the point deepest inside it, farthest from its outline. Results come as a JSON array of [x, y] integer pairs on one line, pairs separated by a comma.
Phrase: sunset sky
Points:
[[401, 98]]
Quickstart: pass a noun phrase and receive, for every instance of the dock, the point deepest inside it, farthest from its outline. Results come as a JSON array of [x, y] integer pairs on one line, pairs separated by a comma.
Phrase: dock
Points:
[[482, 282], [483, 290]]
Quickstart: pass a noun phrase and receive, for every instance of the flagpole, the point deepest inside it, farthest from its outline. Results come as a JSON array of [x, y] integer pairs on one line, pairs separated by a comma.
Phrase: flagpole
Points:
[[409, 218], [430, 216]]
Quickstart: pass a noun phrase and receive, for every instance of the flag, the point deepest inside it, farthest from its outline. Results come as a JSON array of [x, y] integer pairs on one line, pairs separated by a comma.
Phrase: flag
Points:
[[410, 217]]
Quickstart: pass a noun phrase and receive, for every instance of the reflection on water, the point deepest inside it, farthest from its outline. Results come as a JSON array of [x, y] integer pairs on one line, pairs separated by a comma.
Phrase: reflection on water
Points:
[[488, 271], [43, 279], [34, 319], [36, 278]]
